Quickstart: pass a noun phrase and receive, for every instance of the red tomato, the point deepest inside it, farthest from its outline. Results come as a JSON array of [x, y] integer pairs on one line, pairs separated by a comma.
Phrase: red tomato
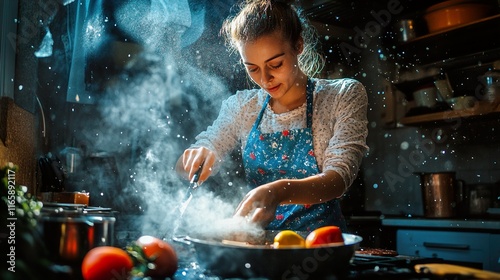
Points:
[[106, 263], [162, 255], [323, 236]]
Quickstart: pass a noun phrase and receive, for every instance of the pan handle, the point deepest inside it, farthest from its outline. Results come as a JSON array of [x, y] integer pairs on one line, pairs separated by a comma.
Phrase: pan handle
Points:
[[182, 239]]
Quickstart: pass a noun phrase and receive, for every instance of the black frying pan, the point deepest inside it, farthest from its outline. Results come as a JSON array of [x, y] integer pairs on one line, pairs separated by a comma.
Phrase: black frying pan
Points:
[[247, 261]]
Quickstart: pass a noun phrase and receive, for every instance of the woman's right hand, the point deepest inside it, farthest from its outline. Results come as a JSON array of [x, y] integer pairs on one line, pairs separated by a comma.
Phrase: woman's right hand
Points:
[[192, 160]]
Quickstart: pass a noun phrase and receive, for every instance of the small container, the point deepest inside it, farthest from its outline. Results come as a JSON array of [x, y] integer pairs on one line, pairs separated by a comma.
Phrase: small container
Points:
[[405, 30], [491, 81], [479, 198], [444, 87], [426, 96], [462, 102], [72, 159]]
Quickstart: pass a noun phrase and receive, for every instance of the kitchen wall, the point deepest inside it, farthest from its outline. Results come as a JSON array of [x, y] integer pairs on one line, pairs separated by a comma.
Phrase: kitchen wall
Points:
[[470, 147], [21, 125], [18, 129]]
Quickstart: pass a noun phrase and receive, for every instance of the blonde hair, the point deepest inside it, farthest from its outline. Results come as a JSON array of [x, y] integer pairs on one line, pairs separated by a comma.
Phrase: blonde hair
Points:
[[257, 18]]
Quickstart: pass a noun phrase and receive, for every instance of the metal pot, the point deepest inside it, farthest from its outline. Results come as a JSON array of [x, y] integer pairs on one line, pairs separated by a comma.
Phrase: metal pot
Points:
[[478, 198], [230, 260], [452, 13], [69, 231], [439, 194]]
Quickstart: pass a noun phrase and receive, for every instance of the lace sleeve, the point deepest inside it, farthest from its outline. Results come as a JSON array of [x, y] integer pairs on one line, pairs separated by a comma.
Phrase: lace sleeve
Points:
[[347, 147]]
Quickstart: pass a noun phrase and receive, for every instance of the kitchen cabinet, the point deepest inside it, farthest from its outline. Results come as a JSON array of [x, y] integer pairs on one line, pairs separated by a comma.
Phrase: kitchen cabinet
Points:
[[475, 243], [473, 248], [469, 47]]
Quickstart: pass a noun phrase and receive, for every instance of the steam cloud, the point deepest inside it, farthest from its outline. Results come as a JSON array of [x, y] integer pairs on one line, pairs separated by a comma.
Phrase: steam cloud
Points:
[[151, 112]]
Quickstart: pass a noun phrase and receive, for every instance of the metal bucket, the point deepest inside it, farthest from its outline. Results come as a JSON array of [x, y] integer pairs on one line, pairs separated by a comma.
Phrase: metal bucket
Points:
[[438, 194]]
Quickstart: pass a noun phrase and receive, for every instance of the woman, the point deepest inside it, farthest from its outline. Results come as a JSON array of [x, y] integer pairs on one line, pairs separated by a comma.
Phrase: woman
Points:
[[302, 138]]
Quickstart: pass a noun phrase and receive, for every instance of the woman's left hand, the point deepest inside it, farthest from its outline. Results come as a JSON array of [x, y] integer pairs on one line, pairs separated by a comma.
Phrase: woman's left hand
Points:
[[259, 205]]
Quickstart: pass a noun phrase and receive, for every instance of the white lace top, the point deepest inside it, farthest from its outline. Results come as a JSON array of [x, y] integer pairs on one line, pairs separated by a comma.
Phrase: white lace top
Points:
[[339, 124]]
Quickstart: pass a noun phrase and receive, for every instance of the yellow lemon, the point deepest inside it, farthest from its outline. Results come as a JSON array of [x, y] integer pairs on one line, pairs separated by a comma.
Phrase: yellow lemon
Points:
[[288, 239]]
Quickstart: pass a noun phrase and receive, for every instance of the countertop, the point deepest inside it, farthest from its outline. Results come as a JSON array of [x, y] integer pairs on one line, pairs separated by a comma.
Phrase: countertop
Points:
[[441, 223]]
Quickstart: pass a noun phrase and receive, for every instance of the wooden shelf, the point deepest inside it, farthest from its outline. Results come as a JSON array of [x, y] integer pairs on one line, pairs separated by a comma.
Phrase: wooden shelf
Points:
[[476, 37], [481, 110], [491, 20]]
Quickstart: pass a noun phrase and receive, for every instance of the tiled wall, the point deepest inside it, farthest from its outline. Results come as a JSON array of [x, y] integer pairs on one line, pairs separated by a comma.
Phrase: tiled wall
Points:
[[17, 130]]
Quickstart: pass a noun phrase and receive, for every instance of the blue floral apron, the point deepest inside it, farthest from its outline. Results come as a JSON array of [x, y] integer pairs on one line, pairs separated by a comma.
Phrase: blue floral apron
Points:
[[289, 154]]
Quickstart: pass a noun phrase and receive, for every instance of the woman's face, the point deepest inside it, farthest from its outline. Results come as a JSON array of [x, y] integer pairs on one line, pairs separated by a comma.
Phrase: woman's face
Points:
[[272, 63]]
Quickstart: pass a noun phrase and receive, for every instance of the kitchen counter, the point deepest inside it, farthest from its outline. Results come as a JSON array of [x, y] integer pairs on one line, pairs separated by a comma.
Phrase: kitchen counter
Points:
[[448, 224]]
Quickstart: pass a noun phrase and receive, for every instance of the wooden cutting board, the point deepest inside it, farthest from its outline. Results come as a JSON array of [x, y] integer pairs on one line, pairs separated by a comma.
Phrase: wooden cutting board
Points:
[[450, 269]]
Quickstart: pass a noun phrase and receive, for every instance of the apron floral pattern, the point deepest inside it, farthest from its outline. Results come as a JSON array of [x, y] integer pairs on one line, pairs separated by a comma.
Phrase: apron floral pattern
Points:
[[289, 154]]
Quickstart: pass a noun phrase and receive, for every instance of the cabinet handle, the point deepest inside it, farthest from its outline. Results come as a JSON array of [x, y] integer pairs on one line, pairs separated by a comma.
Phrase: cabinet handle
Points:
[[446, 246]]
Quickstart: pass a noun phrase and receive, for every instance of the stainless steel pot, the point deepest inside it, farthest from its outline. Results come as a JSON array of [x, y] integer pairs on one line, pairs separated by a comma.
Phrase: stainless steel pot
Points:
[[439, 194], [230, 260], [70, 231], [478, 198]]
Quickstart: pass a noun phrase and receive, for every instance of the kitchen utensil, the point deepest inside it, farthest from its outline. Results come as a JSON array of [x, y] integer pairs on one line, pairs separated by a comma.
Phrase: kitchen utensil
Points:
[[452, 13], [193, 184], [231, 260], [438, 194]]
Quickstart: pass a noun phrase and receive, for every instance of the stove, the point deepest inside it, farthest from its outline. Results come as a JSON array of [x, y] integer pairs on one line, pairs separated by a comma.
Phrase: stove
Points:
[[382, 267], [362, 267]]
